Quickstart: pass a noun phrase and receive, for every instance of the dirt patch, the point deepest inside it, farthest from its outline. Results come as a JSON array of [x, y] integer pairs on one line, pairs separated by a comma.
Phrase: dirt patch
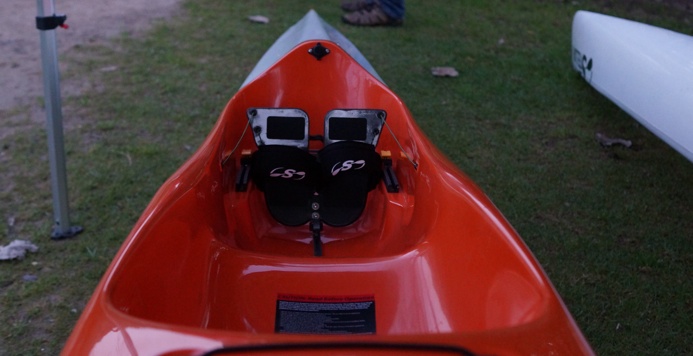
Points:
[[90, 22]]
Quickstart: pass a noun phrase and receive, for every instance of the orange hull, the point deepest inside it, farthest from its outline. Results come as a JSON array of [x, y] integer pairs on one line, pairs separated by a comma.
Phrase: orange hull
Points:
[[433, 268]]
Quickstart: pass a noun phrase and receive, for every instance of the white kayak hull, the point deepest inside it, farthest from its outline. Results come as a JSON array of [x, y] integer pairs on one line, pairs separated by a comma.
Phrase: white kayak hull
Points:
[[646, 70]]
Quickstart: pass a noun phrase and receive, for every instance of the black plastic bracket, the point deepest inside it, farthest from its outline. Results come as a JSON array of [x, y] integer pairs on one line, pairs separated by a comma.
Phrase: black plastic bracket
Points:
[[316, 229], [389, 177], [46, 23], [319, 51], [243, 175]]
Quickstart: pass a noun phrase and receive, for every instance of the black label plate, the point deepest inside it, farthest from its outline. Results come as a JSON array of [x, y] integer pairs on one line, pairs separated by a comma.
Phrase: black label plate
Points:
[[299, 314]]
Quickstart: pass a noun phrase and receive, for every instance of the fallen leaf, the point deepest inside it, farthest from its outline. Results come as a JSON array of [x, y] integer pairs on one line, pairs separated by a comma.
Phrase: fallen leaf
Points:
[[444, 72], [109, 69], [608, 141], [259, 19]]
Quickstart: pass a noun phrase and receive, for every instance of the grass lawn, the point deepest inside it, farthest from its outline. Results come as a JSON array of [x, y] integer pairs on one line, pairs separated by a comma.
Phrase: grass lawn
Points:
[[613, 227]]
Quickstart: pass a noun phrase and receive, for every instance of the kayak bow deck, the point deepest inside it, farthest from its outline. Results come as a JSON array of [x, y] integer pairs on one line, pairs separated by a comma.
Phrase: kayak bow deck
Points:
[[317, 217]]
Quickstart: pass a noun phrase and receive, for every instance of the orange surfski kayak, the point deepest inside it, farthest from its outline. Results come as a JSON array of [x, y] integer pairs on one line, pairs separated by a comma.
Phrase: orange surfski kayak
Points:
[[317, 218]]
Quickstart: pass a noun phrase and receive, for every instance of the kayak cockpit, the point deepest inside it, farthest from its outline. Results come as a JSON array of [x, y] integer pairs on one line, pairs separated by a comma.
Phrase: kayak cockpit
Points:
[[317, 161]]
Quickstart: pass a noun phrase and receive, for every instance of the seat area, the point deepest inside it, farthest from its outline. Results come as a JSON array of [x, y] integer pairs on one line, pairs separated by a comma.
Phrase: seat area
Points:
[[330, 186]]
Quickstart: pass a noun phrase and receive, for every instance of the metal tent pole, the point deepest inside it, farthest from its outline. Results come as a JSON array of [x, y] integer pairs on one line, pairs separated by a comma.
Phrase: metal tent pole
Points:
[[46, 25]]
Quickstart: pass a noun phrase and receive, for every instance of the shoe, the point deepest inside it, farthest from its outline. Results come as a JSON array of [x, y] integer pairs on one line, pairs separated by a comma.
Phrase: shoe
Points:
[[355, 5], [373, 16]]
